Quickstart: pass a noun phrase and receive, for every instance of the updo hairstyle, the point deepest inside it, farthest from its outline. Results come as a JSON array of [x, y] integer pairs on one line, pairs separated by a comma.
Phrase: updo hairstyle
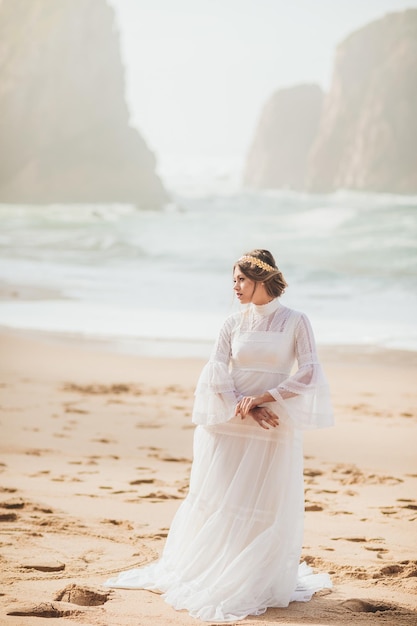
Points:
[[265, 272]]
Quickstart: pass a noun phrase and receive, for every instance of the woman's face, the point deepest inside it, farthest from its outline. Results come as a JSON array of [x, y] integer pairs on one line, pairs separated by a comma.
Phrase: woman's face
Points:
[[243, 286]]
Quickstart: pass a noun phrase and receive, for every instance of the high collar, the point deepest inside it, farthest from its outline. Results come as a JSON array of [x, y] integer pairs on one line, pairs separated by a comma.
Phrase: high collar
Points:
[[266, 309]]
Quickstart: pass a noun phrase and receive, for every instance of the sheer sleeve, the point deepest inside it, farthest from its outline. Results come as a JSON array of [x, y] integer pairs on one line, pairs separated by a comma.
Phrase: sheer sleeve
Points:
[[215, 396], [304, 397]]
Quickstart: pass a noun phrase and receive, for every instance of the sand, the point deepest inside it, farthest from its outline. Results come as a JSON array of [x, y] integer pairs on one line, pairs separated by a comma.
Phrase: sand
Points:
[[96, 451]]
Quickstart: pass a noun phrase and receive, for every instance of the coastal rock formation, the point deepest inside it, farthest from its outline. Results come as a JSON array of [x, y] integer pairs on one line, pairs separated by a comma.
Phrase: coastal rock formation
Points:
[[288, 126], [367, 138], [64, 128]]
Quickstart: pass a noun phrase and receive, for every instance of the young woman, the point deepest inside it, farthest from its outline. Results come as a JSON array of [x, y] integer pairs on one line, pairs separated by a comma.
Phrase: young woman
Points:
[[234, 546]]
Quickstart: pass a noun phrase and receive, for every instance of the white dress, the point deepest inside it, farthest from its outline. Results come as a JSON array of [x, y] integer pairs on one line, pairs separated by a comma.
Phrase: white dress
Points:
[[234, 545]]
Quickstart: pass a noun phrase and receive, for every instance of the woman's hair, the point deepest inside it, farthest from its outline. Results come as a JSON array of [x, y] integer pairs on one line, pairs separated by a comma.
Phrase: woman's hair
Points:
[[260, 266]]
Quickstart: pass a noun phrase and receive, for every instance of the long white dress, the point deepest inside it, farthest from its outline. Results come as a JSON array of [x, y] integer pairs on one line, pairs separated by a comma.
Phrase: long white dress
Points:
[[234, 546]]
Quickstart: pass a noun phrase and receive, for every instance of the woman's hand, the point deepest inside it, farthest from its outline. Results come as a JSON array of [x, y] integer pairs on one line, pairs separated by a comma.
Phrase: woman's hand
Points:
[[247, 403], [264, 416]]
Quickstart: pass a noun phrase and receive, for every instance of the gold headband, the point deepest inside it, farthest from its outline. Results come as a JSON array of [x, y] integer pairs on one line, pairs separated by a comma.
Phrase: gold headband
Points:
[[255, 261]]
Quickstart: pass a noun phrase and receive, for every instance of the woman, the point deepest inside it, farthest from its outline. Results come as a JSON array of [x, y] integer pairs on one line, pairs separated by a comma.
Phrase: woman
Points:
[[234, 546]]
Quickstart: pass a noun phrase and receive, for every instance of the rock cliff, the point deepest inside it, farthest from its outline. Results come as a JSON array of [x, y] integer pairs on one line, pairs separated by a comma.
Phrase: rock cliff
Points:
[[64, 130], [286, 130], [367, 139]]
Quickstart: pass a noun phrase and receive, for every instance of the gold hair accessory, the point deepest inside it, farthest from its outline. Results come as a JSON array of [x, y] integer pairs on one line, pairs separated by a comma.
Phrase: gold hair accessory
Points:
[[253, 260]]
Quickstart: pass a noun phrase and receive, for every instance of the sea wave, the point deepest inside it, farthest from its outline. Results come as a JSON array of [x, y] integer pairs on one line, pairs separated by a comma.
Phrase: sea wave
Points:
[[346, 256]]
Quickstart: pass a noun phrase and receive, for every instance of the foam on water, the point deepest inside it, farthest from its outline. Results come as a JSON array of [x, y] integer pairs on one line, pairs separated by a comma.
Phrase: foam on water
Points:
[[350, 260]]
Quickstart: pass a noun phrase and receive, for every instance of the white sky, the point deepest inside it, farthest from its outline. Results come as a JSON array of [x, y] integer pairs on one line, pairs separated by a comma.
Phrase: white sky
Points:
[[199, 71]]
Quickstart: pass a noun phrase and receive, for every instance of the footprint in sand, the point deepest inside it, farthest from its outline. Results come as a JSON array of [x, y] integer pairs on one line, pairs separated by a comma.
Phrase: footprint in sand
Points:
[[83, 596], [103, 440], [44, 609], [173, 459], [312, 473], [353, 539], [45, 566], [59, 479], [14, 503], [117, 522], [38, 451], [61, 605], [404, 569], [73, 409], [407, 506], [352, 475], [376, 549], [142, 481], [407, 503], [87, 495], [161, 535], [8, 517], [96, 389], [43, 509], [341, 513], [363, 606], [388, 510], [161, 495], [313, 507]]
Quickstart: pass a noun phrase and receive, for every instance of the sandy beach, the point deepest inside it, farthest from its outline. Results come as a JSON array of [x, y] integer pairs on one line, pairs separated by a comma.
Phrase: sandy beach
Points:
[[96, 450]]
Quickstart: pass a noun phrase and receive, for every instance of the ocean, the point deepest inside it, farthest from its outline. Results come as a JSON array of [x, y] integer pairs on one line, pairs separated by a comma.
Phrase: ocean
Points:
[[160, 283]]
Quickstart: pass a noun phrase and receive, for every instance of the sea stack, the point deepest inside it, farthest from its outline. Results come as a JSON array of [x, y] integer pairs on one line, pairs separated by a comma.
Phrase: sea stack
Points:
[[288, 125], [64, 123], [367, 139], [363, 135]]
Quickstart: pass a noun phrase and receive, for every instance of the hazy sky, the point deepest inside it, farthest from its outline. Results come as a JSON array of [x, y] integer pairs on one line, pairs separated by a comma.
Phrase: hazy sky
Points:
[[199, 71]]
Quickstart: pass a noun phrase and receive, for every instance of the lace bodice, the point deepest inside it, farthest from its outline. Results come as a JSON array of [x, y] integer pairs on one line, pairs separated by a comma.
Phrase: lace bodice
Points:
[[256, 351]]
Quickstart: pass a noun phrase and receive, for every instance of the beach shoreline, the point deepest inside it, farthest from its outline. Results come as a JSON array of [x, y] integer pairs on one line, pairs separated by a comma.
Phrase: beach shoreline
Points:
[[96, 450]]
